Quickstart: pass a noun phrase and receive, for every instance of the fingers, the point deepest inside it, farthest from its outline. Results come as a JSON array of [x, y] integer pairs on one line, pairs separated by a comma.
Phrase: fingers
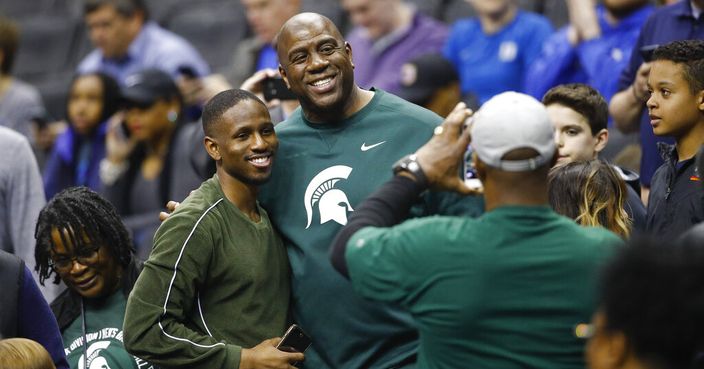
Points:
[[163, 216], [273, 341], [461, 188], [454, 121], [254, 83], [172, 205], [294, 356]]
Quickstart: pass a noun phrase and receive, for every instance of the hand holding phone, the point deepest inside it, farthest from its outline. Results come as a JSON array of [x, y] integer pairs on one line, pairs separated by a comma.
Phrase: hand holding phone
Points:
[[275, 88], [118, 143], [294, 340]]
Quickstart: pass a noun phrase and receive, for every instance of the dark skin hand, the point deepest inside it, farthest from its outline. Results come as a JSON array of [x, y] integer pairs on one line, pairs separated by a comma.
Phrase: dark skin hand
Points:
[[441, 157]]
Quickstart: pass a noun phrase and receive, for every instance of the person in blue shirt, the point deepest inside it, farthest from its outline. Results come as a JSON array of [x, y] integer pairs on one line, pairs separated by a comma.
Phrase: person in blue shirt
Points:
[[493, 51], [568, 57], [678, 21], [127, 41], [92, 99]]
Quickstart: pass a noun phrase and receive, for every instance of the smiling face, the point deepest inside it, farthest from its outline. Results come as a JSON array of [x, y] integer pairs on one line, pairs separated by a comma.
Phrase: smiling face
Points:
[[244, 143], [85, 104], [94, 274], [673, 109], [573, 135], [316, 64]]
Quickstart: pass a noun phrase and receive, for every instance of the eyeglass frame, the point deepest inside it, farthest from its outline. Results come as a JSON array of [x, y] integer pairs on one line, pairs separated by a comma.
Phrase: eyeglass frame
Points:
[[85, 260]]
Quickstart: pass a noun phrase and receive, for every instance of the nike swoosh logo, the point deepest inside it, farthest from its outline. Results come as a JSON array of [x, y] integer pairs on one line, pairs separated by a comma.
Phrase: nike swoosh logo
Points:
[[365, 147]]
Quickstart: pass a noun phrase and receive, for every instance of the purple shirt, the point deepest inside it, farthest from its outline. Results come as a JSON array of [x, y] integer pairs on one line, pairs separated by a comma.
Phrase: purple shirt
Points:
[[382, 68]]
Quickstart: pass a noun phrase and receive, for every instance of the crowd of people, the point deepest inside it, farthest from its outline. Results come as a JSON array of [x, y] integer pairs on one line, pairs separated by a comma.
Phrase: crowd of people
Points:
[[411, 195]]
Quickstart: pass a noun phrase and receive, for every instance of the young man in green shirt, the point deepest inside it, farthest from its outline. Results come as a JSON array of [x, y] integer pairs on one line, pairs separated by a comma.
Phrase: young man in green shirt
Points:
[[504, 290], [217, 281]]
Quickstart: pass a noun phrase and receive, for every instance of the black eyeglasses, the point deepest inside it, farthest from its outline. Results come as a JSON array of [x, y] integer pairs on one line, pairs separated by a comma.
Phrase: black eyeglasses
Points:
[[85, 256]]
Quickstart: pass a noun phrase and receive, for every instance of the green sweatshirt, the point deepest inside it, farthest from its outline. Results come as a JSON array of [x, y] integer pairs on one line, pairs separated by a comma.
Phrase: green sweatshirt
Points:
[[322, 172], [215, 282]]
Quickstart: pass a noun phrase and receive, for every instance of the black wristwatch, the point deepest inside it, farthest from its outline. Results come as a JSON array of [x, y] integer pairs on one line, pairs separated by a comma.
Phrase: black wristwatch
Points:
[[409, 163]]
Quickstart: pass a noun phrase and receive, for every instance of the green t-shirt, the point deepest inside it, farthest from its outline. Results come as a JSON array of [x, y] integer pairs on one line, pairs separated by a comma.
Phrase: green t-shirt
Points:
[[501, 291], [103, 336]]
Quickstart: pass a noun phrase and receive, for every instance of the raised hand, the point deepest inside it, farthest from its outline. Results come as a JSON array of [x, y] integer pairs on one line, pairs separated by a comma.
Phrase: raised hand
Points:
[[441, 157]]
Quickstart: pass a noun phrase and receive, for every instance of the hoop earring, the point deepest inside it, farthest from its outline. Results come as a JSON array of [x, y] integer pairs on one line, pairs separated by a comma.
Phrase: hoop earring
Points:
[[172, 116]]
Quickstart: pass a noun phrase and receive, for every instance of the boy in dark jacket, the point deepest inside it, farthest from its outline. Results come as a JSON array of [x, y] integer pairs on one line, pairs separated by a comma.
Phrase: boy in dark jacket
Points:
[[676, 108]]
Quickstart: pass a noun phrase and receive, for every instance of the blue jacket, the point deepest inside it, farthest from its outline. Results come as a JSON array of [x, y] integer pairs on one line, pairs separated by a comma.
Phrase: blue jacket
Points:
[[61, 170], [676, 201], [596, 62]]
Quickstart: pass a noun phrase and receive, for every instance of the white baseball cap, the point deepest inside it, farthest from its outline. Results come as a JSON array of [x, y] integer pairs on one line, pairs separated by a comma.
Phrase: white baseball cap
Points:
[[510, 121]]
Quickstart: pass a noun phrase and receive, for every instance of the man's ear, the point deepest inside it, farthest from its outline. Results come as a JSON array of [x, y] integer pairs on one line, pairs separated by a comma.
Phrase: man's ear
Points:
[[602, 138], [619, 352], [700, 100], [282, 72], [348, 50], [211, 146]]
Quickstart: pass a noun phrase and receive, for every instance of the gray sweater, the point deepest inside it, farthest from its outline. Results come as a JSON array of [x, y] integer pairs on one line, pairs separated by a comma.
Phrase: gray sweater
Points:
[[21, 199]]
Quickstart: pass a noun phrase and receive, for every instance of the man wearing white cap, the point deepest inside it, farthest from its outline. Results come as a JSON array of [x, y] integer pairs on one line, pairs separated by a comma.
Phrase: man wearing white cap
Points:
[[504, 290]]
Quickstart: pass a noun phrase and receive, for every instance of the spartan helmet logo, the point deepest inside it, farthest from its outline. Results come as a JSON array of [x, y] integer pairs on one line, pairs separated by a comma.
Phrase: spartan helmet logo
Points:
[[332, 202], [95, 360]]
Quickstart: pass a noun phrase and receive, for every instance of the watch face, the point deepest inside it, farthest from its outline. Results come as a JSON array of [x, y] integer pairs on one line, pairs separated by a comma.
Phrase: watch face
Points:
[[413, 166]]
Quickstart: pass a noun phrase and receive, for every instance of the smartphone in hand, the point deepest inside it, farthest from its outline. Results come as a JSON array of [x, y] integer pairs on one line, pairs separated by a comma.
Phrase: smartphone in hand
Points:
[[275, 88], [295, 340]]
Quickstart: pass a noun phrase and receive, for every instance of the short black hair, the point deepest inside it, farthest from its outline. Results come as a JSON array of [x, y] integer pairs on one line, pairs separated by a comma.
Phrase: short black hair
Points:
[[220, 103], [126, 8], [583, 99], [652, 292], [689, 53], [9, 40], [77, 209]]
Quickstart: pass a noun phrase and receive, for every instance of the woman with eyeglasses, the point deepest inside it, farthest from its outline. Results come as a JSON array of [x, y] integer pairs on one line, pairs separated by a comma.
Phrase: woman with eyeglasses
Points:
[[82, 241], [148, 154]]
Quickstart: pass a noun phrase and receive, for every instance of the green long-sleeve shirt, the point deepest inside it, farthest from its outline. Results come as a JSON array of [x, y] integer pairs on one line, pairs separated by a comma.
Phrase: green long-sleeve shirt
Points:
[[214, 283]]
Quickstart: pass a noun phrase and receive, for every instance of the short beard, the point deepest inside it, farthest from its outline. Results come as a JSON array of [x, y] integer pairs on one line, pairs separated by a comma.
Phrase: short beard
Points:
[[248, 180]]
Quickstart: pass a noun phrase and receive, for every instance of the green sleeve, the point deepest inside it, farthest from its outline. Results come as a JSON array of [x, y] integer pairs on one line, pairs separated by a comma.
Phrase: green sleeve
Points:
[[389, 264], [177, 265]]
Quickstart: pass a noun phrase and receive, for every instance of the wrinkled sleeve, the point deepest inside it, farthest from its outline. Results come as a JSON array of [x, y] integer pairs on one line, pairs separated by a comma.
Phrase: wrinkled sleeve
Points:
[[156, 326]]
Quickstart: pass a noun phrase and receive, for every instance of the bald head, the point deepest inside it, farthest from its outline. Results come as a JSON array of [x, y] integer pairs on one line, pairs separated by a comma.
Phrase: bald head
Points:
[[302, 26]]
